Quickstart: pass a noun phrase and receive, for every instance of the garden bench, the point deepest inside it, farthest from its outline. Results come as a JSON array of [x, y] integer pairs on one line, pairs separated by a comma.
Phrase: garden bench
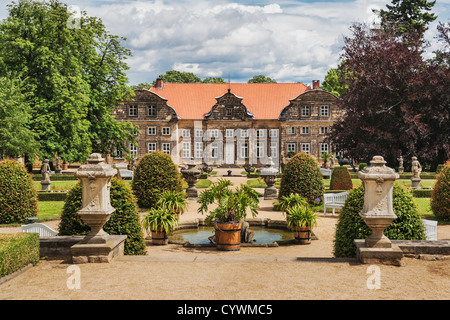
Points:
[[42, 229], [325, 172], [430, 229], [125, 173], [334, 201]]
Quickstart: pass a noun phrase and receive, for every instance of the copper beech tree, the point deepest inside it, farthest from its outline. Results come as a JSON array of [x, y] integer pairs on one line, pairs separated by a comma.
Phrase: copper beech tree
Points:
[[396, 102]]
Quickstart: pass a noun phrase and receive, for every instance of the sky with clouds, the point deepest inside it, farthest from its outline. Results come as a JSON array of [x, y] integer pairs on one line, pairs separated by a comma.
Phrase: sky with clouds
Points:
[[287, 40]]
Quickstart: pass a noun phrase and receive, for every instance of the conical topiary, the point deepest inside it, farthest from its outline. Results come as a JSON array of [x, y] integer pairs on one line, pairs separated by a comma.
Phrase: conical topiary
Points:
[[301, 175], [440, 195], [340, 179]]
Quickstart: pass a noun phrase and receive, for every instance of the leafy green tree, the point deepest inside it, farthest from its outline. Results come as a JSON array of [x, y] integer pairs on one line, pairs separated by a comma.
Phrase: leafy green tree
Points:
[[16, 138], [333, 81], [213, 80], [261, 79], [408, 13], [180, 77], [75, 74]]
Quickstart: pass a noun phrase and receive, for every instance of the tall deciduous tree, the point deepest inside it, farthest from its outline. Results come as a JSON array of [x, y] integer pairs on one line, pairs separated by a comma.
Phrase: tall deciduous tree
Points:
[[75, 72], [261, 79], [396, 102]]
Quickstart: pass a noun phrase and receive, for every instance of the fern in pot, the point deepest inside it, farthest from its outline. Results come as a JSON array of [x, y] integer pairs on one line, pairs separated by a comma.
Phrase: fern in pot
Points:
[[159, 222], [301, 219]]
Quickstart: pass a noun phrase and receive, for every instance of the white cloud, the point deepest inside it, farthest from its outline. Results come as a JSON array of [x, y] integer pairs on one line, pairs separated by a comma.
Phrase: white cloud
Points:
[[287, 40]]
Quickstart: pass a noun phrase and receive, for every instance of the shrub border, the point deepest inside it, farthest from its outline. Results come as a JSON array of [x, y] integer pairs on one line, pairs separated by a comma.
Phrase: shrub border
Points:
[[18, 251]]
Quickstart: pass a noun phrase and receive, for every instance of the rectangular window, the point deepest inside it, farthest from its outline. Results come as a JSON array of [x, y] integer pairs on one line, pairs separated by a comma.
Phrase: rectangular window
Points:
[[323, 130], [324, 111], [132, 110], [186, 150], [166, 148], [166, 131], [152, 131], [260, 133], [229, 133], [305, 147], [291, 130], [229, 112], [305, 130], [244, 133], [133, 150], [244, 150], [273, 133], [259, 150], [214, 133], [198, 133], [199, 150], [185, 133], [152, 111], [324, 147], [274, 149], [306, 111], [151, 147], [291, 147], [214, 150]]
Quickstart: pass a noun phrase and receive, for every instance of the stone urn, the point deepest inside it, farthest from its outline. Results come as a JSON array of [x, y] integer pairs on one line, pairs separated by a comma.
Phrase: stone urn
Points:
[[191, 175], [378, 181], [96, 209], [269, 174]]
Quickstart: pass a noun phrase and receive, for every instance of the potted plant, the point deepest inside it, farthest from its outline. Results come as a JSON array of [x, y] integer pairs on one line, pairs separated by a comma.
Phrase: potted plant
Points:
[[301, 219], [173, 201], [159, 222], [325, 157], [229, 213], [292, 200]]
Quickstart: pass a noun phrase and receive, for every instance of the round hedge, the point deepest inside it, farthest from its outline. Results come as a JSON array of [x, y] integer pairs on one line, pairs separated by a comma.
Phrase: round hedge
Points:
[[18, 197], [440, 195], [340, 179], [123, 221], [155, 174], [350, 226], [301, 175]]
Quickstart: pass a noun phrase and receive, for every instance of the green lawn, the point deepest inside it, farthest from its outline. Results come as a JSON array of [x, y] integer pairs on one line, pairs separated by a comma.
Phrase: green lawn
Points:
[[50, 210], [57, 185]]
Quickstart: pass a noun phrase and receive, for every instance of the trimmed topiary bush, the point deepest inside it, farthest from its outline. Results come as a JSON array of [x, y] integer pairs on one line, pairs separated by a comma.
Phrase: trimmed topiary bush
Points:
[[440, 196], [350, 226], [123, 221], [301, 175], [17, 251], [18, 198], [340, 179], [155, 174]]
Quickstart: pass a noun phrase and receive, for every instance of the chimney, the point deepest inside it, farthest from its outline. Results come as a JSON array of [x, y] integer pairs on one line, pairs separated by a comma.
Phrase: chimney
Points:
[[316, 84], [159, 83]]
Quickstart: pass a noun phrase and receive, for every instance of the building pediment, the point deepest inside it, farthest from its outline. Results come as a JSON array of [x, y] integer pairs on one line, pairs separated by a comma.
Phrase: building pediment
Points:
[[229, 107]]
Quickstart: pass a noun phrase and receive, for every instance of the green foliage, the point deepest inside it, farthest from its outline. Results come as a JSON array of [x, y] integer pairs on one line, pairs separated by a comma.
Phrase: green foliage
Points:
[[74, 77], [161, 220], [231, 205], [340, 179], [124, 220], [18, 198], [155, 174], [290, 201], [301, 175], [361, 166], [261, 79], [174, 76], [17, 251], [440, 196], [333, 82], [301, 216], [16, 138], [173, 201], [350, 226]]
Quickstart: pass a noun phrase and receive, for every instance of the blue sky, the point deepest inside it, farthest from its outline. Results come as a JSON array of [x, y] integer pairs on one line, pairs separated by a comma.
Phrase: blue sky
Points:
[[287, 40]]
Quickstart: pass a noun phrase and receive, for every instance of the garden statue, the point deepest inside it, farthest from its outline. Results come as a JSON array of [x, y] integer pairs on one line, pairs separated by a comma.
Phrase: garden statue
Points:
[[378, 213], [46, 172], [416, 169], [400, 165], [332, 159], [58, 168]]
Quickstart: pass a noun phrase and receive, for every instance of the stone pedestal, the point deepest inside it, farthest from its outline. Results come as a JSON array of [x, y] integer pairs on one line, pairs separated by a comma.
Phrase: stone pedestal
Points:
[[98, 253], [191, 175], [415, 182], [378, 214], [45, 185]]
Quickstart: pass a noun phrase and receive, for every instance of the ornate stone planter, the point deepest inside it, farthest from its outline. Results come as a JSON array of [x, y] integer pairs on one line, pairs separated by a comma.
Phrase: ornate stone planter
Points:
[[269, 175], [378, 213], [191, 175]]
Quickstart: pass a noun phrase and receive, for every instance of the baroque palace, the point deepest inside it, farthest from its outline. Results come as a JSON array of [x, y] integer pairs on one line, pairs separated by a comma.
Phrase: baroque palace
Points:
[[230, 125]]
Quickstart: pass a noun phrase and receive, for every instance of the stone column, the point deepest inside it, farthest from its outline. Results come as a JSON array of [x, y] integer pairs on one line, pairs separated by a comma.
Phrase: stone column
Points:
[[378, 214], [97, 246]]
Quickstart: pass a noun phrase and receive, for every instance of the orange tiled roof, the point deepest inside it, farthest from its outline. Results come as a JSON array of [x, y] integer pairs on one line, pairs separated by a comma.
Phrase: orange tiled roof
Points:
[[263, 100]]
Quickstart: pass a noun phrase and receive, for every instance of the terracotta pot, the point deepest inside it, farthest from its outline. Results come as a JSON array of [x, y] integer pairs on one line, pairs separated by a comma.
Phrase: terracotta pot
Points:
[[302, 235], [228, 236], [159, 237]]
